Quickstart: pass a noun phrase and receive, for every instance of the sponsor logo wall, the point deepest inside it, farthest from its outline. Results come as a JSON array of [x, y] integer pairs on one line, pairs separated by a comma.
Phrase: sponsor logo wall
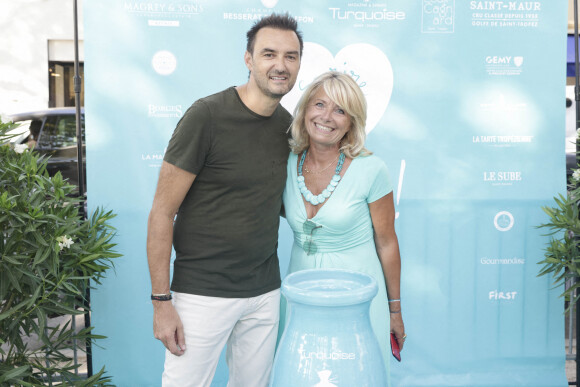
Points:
[[465, 107]]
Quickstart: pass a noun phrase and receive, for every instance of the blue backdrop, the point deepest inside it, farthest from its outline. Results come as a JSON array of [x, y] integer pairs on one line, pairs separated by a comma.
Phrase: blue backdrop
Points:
[[466, 108]]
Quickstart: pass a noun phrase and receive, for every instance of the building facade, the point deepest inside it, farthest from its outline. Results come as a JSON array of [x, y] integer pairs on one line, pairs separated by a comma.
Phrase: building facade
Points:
[[37, 54]]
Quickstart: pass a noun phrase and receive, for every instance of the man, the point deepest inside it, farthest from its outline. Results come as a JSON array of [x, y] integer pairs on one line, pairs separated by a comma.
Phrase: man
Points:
[[223, 175]]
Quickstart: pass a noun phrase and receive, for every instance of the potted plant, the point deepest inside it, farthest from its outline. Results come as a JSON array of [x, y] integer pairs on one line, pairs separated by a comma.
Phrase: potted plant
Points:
[[49, 254]]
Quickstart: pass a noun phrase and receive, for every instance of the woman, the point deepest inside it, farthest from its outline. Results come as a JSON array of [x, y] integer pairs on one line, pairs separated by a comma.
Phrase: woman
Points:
[[338, 198]]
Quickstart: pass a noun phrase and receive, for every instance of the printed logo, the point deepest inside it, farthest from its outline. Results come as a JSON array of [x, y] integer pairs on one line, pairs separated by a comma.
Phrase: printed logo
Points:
[[504, 65], [502, 177], [164, 111], [161, 11], [501, 109], [502, 141], [326, 379], [503, 104], [164, 62], [337, 355], [367, 14], [256, 13], [501, 114], [505, 14], [503, 221], [163, 23], [365, 63], [496, 295], [502, 261], [154, 159], [438, 16]]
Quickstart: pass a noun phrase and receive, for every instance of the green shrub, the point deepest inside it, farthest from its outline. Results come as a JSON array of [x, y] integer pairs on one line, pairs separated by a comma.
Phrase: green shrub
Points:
[[49, 254], [562, 253]]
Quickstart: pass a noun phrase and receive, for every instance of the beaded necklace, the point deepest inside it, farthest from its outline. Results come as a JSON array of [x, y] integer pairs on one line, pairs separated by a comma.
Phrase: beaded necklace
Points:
[[309, 196]]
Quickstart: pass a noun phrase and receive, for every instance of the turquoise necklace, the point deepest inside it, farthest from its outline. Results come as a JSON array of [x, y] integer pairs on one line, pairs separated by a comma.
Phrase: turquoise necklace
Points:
[[309, 196]]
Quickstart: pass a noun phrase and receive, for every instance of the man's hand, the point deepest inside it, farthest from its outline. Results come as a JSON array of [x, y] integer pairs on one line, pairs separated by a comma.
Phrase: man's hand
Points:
[[167, 327]]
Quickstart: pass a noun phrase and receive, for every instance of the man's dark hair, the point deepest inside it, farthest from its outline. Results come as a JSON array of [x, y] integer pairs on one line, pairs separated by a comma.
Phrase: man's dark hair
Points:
[[278, 21]]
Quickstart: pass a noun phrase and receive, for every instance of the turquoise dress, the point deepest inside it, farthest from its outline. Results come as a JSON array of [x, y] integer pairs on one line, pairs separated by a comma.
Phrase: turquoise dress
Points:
[[340, 235]]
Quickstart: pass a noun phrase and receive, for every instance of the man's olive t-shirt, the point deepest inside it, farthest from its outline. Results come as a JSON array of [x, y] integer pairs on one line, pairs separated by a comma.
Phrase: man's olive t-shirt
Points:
[[226, 230]]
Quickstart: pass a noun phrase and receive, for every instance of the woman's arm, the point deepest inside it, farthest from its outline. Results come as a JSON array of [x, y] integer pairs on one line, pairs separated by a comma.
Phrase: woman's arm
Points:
[[383, 218]]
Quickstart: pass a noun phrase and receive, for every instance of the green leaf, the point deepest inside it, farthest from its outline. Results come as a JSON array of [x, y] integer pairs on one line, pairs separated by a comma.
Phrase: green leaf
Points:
[[41, 320], [89, 258], [96, 379], [13, 374], [34, 297], [71, 288], [41, 255], [13, 280], [12, 259], [39, 239], [13, 310]]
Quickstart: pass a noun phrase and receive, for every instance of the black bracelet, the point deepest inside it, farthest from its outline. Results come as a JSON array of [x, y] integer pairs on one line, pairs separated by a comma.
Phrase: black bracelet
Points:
[[161, 297]]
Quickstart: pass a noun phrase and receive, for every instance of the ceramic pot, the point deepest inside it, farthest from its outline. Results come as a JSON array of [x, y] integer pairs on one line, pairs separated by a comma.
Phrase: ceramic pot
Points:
[[328, 340]]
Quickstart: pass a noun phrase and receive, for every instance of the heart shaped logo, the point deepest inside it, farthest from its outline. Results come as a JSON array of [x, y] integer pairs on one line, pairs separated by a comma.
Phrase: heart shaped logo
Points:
[[365, 63]]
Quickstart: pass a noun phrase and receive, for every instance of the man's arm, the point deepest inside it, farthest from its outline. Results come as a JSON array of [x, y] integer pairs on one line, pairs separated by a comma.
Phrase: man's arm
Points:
[[173, 185]]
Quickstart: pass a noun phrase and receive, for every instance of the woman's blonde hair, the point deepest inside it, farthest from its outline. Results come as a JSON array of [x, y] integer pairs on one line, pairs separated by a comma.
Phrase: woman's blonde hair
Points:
[[344, 92]]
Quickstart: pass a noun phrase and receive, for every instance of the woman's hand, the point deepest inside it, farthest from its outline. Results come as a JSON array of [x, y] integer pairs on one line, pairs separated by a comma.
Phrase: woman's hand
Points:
[[397, 326]]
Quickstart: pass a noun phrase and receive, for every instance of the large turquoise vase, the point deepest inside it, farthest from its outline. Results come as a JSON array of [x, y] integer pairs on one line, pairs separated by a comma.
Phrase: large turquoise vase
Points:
[[328, 340]]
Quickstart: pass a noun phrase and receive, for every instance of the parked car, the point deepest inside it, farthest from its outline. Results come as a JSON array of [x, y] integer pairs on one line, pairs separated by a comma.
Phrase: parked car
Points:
[[52, 132]]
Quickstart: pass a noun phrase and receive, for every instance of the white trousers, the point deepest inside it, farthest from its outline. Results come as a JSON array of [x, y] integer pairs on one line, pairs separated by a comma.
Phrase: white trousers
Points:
[[249, 326]]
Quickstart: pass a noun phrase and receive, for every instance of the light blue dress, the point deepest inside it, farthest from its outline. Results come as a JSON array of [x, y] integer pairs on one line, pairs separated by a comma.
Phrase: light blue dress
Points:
[[345, 238]]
